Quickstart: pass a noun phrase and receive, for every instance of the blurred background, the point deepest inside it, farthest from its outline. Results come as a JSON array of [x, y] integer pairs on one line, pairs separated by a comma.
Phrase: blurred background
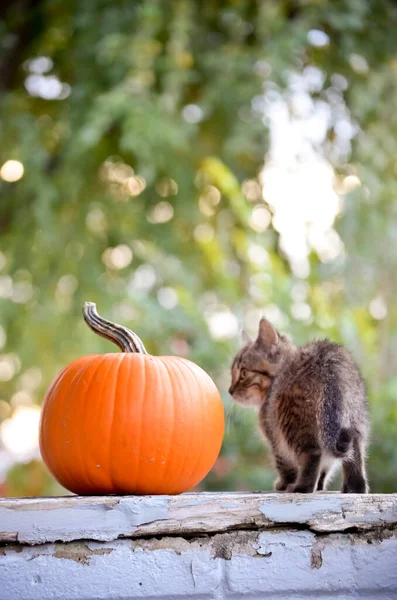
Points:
[[190, 166]]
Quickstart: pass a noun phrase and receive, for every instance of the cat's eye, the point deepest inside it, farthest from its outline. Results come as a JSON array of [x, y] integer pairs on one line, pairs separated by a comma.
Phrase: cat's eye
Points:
[[243, 373]]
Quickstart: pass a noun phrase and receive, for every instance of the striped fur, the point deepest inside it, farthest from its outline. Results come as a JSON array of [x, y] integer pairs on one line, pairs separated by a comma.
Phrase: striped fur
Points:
[[312, 408]]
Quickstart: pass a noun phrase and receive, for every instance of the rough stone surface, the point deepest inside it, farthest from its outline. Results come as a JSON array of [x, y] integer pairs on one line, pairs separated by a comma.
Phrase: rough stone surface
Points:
[[282, 547], [40, 520]]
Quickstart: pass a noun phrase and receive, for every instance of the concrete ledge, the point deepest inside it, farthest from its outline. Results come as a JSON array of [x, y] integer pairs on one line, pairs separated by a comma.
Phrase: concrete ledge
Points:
[[226, 545], [106, 518]]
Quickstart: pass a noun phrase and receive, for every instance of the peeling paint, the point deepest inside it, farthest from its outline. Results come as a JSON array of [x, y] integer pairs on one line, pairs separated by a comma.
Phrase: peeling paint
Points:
[[317, 556], [73, 518], [385, 516], [317, 560], [79, 552], [100, 521], [199, 546], [196, 502], [59, 503], [279, 563], [300, 510], [11, 548], [222, 545]]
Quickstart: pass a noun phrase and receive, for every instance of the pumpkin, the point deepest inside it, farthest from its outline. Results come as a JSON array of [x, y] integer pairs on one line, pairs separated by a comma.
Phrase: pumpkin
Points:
[[130, 423]]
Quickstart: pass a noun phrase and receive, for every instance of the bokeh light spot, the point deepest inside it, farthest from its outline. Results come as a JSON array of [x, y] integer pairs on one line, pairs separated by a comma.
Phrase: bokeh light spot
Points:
[[11, 171]]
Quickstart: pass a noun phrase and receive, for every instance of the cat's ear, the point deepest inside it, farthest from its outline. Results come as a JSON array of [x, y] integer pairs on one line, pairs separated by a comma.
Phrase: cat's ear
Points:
[[245, 338], [267, 334]]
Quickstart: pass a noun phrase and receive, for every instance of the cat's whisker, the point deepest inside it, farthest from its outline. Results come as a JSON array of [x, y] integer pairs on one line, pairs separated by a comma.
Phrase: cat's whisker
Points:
[[229, 418]]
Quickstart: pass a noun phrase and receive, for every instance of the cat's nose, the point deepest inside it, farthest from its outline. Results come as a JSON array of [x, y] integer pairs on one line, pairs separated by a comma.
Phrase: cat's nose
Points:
[[231, 389]]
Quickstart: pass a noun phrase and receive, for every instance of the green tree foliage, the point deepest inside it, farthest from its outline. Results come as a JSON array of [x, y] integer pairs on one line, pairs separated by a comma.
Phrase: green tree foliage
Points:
[[142, 130]]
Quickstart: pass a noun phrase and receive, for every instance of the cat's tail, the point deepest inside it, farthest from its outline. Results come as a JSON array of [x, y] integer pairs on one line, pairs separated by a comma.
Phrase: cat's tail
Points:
[[339, 439], [343, 443]]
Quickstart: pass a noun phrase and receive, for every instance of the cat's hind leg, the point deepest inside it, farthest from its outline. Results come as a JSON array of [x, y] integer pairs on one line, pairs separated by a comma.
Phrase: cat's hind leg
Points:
[[321, 481], [327, 469], [308, 472], [354, 475]]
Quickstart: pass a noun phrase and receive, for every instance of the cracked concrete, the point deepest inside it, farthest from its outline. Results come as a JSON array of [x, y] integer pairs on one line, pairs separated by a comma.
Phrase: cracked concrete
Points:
[[206, 554], [283, 563]]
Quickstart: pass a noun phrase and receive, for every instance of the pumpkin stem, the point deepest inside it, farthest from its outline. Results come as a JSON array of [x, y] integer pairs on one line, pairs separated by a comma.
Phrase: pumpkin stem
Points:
[[126, 339]]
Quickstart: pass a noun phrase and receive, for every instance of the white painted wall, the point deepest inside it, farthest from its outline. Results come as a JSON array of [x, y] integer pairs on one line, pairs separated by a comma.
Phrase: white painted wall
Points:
[[305, 553]]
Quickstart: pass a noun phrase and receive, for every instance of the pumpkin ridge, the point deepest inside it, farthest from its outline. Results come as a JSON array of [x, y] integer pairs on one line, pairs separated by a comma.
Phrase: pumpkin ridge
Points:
[[171, 435], [55, 384], [83, 418], [127, 400], [65, 399], [64, 407], [195, 369], [199, 453], [185, 387], [142, 399], [48, 401], [179, 378], [111, 426], [191, 366], [159, 408]]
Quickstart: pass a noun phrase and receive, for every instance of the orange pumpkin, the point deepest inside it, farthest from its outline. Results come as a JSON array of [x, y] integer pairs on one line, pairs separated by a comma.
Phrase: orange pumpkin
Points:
[[130, 423]]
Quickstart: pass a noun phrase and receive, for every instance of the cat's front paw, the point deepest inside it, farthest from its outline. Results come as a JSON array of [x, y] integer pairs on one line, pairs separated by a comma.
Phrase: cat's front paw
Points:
[[299, 488], [357, 485], [280, 485]]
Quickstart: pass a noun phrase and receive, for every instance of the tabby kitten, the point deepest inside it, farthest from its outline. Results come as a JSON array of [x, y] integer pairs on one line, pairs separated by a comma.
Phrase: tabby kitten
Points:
[[312, 408]]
